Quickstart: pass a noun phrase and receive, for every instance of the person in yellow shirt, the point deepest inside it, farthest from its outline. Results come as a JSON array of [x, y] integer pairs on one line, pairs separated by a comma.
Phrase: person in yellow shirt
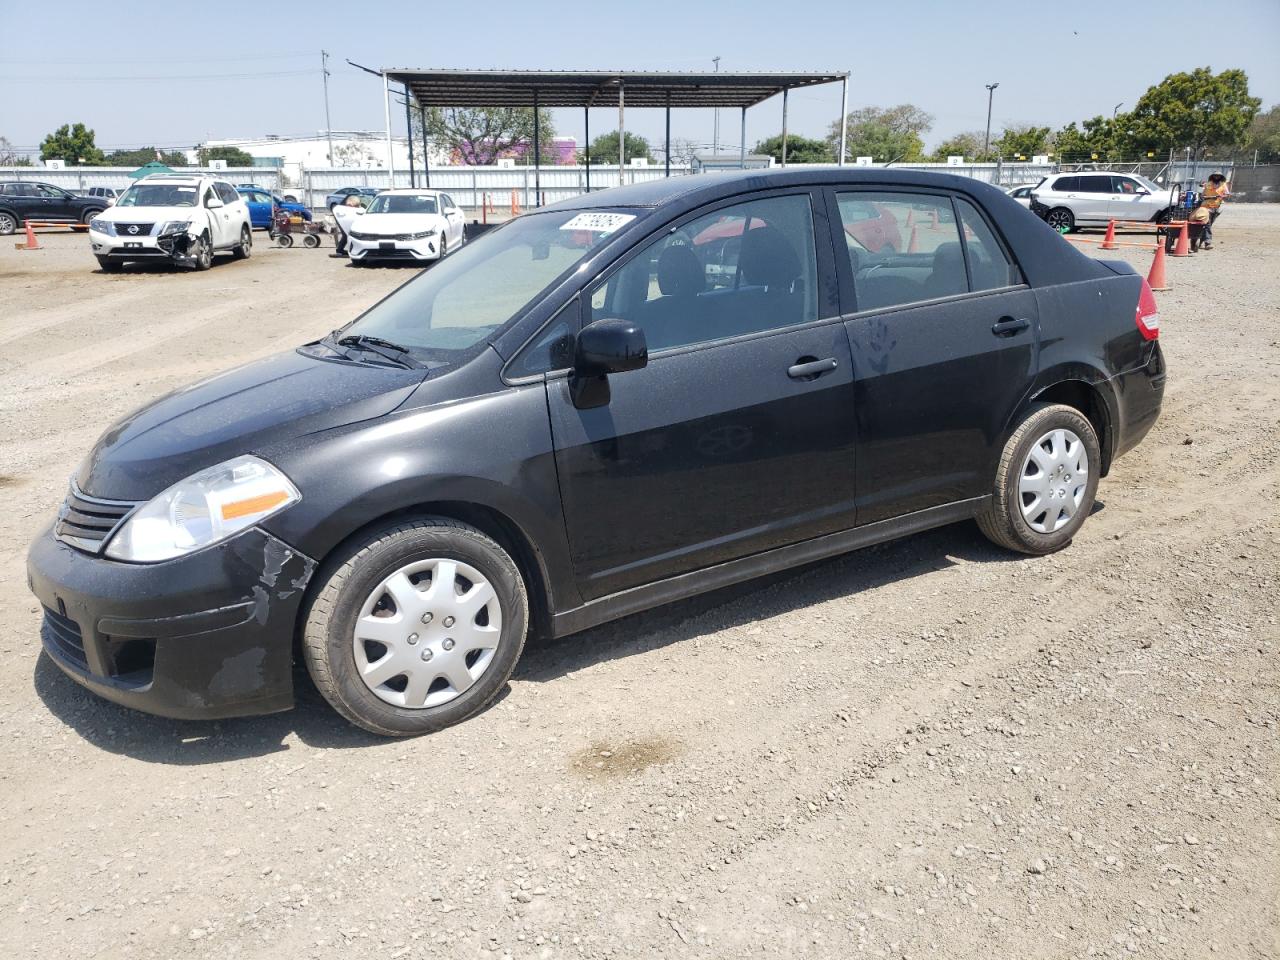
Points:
[[1215, 191]]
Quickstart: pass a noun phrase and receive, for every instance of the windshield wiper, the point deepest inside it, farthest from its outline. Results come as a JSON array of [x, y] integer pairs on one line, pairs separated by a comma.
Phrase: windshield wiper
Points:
[[383, 348]]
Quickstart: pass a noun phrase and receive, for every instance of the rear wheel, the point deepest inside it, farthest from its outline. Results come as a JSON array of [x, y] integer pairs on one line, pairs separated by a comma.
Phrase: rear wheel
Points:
[[311, 241], [245, 247], [1061, 219], [8, 223], [284, 240], [1046, 481], [417, 627]]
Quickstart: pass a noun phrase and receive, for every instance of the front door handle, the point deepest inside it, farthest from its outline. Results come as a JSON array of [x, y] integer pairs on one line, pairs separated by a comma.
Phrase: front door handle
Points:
[[1008, 326], [807, 369]]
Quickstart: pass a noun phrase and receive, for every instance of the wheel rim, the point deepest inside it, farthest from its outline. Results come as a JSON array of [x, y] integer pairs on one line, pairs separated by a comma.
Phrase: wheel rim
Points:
[[1059, 220], [1055, 474], [7, 223], [205, 254], [427, 633], [246, 240]]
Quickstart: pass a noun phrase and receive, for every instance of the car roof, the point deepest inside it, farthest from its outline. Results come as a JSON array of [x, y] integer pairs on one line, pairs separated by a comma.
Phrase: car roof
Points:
[[412, 192], [705, 187]]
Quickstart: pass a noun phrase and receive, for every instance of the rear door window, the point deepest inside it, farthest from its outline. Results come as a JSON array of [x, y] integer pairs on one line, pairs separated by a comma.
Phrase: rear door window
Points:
[[1066, 184], [1095, 184], [989, 266], [903, 247], [740, 269]]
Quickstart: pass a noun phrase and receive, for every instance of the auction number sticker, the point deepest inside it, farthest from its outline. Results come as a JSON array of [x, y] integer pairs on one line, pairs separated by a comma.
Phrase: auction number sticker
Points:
[[599, 222]]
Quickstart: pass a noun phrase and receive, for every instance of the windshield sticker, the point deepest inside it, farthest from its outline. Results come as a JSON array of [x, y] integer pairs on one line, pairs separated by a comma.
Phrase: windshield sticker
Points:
[[599, 222]]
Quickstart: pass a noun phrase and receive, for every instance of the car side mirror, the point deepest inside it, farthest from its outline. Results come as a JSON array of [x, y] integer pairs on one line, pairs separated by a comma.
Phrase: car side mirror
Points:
[[604, 347], [1144, 193], [213, 203]]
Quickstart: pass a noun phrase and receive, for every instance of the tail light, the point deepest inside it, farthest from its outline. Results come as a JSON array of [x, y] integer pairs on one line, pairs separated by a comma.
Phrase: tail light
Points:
[[1148, 316]]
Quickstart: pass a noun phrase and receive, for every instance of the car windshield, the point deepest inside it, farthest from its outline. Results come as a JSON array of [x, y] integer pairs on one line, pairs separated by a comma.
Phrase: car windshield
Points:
[[402, 203], [158, 195], [464, 298]]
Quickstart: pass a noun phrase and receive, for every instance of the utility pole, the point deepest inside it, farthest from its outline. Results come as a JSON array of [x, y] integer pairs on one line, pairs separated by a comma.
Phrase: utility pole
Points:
[[715, 136], [328, 127], [986, 139]]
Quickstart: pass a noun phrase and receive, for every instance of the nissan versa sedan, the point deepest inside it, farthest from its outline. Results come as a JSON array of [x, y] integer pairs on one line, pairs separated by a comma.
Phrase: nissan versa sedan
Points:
[[605, 405]]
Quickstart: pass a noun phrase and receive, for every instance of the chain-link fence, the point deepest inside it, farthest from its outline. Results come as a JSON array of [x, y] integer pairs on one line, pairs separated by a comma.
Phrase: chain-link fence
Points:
[[1256, 184]]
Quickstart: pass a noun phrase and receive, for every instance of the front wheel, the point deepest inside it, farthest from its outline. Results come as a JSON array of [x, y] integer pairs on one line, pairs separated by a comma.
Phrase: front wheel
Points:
[[8, 223], [416, 627], [1061, 219], [284, 240], [245, 247], [202, 258], [1045, 483]]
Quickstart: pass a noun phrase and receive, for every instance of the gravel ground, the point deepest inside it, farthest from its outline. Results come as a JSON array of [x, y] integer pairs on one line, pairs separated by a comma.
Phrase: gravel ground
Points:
[[929, 748]]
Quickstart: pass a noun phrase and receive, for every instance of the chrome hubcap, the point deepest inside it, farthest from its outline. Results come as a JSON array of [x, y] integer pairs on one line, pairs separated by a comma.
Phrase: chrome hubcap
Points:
[[427, 633], [1054, 477]]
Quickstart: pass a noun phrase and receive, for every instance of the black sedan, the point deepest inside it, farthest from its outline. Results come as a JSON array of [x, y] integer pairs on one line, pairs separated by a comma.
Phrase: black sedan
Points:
[[605, 405], [23, 200]]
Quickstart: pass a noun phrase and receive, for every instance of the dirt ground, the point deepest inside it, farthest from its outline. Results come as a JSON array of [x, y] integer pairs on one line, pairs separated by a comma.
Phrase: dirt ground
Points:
[[926, 749]]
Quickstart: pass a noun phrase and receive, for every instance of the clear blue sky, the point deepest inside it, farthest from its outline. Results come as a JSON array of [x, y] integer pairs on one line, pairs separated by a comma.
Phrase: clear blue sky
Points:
[[127, 74]]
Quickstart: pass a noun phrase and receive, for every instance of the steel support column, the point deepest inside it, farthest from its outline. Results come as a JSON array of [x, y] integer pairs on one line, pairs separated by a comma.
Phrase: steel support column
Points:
[[408, 129], [622, 134], [742, 145], [386, 109], [426, 146], [844, 118], [668, 152], [537, 150], [784, 126], [586, 135]]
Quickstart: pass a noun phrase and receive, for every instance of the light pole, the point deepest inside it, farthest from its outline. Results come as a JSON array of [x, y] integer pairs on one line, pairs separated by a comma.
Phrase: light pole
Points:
[[986, 139], [328, 125], [715, 136], [1116, 109]]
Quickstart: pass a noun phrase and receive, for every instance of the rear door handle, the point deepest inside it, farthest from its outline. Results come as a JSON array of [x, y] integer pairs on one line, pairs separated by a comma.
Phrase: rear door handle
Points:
[[1008, 326], [811, 369]]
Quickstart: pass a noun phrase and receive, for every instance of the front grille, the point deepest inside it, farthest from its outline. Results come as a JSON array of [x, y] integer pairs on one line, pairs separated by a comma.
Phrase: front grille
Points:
[[85, 522], [127, 229], [62, 637]]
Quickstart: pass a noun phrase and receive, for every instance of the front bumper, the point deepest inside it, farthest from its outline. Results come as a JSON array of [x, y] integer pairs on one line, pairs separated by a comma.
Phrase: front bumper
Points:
[[204, 636], [175, 246], [390, 249]]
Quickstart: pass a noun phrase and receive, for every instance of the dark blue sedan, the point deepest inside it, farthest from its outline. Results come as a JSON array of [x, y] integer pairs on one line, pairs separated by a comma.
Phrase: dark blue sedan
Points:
[[261, 201], [340, 195]]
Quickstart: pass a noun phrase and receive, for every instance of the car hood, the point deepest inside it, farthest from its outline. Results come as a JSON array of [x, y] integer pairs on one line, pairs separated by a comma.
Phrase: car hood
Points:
[[119, 214], [387, 224], [261, 404]]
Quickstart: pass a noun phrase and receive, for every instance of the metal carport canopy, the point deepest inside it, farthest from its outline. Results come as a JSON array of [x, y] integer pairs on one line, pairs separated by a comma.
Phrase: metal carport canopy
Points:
[[606, 88]]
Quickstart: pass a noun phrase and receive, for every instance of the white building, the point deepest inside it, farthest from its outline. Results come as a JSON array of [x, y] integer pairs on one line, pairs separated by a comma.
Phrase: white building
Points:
[[352, 149]]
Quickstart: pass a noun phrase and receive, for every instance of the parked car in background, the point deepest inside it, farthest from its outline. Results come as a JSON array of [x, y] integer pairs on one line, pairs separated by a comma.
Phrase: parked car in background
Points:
[[406, 224], [1069, 200], [575, 418], [340, 195], [1021, 193], [109, 194], [183, 218], [283, 194], [262, 202], [22, 200]]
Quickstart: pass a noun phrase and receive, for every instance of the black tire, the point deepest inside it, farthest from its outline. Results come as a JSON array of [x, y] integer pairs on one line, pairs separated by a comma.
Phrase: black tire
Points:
[[9, 223], [244, 248], [284, 240], [444, 246], [1002, 520], [345, 582], [203, 258], [87, 215], [110, 266], [310, 241], [1061, 219]]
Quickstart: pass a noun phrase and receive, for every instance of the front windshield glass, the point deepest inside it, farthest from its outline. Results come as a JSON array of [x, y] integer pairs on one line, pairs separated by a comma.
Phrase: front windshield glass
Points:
[[402, 203], [461, 300], [158, 195]]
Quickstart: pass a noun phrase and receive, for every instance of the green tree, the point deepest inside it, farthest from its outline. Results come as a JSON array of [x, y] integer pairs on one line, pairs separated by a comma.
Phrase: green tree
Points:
[[799, 149], [478, 136], [967, 145], [71, 143], [234, 156], [1264, 136], [1022, 140], [1199, 110], [10, 157], [604, 148], [1101, 138], [136, 158], [884, 133]]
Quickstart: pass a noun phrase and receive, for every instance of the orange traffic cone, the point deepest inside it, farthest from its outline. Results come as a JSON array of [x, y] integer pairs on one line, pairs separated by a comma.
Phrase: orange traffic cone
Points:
[[32, 243], [1155, 279], [1109, 241], [1183, 247], [913, 246]]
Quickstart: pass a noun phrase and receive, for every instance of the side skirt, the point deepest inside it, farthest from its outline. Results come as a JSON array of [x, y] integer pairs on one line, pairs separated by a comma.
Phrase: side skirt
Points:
[[626, 602]]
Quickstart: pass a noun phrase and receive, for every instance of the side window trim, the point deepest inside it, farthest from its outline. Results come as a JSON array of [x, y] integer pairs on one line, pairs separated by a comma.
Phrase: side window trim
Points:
[[573, 307], [999, 239]]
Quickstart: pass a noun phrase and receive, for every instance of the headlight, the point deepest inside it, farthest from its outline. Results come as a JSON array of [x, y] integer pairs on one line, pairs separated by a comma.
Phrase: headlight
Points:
[[204, 509], [423, 235], [103, 226], [175, 226]]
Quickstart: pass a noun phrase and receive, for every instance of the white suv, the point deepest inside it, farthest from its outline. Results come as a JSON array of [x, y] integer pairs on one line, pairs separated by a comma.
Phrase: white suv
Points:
[[1069, 200], [183, 218]]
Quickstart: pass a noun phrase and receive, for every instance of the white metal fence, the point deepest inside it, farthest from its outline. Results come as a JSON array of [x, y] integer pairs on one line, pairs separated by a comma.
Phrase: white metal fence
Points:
[[79, 179]]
